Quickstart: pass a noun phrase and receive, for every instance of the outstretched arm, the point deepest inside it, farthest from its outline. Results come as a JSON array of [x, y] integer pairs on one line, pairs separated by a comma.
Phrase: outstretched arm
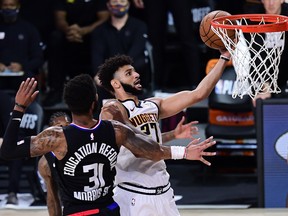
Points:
[[143, 146], [53, 201], [182, 131], [177, 102], [10, 149]]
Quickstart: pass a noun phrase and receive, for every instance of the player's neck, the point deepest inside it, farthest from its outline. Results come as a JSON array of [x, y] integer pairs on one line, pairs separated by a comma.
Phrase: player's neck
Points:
[[85, 121], [122, 96]]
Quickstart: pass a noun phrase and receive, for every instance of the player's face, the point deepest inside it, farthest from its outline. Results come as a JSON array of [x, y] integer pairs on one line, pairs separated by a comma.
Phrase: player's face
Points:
[[272, 6], [61, 121], [129, 79]]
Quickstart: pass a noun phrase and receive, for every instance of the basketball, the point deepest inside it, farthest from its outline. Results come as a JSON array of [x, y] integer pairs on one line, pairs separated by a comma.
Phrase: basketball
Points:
[[206, 33]]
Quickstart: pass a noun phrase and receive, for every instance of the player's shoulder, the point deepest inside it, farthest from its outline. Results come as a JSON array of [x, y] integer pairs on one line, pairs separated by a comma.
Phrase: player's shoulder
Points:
[[111, 102], [114, 102]]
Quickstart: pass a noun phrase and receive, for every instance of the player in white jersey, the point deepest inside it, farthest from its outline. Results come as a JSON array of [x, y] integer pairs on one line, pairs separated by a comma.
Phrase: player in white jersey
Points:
[[143, 186], [85, 152]]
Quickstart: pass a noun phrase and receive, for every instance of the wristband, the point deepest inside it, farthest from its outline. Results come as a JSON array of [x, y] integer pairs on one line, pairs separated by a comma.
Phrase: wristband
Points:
[[224, 58], [17, 114], [20, 105], [177, 152]]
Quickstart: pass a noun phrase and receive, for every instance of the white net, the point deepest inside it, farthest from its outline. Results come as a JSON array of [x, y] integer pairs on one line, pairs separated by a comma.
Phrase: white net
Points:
[[255, 57]]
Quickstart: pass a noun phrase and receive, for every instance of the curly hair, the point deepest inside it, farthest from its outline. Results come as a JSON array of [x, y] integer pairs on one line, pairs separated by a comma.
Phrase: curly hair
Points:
[[79, 94], [109, 67], [57, 115]]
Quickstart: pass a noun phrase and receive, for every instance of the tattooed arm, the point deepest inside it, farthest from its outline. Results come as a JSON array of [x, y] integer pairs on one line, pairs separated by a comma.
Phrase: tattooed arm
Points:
[[143, 146], [53, 201], [49, 140]]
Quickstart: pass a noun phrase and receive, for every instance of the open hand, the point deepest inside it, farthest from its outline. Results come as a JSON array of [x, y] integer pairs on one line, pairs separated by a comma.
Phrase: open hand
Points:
[[27, 93], [195, 150], [185, 131]]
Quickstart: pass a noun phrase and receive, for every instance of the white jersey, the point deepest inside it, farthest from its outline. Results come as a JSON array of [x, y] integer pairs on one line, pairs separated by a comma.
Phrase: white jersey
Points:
[[139, 171]]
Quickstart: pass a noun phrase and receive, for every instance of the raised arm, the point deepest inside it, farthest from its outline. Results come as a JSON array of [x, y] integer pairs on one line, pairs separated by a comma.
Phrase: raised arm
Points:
[[48, 140], [176, 103]]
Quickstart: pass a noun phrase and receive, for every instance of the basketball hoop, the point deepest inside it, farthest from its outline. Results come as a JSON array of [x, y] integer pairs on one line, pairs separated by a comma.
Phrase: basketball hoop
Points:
[[256, 50]]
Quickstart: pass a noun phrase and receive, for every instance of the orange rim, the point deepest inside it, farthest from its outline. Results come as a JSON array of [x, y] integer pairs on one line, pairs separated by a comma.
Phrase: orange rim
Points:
[[273, 23]]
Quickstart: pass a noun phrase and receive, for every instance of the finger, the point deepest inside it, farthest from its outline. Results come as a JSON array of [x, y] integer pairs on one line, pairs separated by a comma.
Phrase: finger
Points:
[[182, 120], [205, 142], [209, 139], [254, 103], [193, 142], [33, 87], [21, 86], [208, 153], [194, 129], [192, 123], [207, 145], [28, 84], [34, 95], [25, 86], [205, 161]]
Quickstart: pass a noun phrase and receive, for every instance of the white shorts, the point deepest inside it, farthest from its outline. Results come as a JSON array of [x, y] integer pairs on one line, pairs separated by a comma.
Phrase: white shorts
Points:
[[135, 204]]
